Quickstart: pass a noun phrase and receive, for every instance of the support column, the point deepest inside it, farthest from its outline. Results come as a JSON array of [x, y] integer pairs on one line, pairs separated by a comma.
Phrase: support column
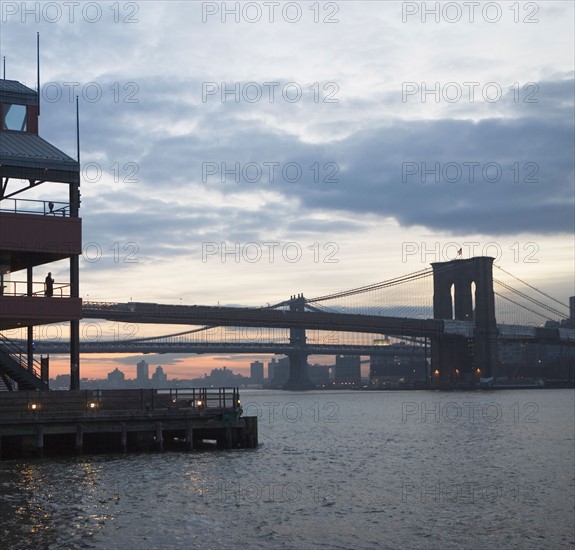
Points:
[[251, 429], [159, 437], [79, 439], [74, 293], [45, 369], [124, 438], [74, 355], [190, 437], [486, 358], [298, 377], [40, 441], [30, 331]]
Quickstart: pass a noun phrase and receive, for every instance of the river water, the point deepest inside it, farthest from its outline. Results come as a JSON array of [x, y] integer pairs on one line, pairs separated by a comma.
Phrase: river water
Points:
[[334, 470]]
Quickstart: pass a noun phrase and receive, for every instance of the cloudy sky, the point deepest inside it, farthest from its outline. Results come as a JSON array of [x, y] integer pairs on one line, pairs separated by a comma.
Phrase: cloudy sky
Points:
[[243, 152]]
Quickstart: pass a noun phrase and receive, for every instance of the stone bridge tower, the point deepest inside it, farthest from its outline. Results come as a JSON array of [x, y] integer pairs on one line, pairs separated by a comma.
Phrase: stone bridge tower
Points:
[[463, 291]]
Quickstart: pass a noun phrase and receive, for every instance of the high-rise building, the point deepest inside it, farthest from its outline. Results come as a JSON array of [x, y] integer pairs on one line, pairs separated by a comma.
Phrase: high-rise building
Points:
[[257, 372], [159, 378], [278, 372], [271, 368], [142, 372], [347, 370]]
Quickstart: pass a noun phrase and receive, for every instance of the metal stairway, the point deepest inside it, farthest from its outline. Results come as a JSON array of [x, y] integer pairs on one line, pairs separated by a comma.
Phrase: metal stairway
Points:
[[13, 368]]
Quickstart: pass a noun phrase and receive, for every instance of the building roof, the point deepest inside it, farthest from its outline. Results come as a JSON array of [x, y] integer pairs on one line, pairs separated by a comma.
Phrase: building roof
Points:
[[12, 91], [28, 156]]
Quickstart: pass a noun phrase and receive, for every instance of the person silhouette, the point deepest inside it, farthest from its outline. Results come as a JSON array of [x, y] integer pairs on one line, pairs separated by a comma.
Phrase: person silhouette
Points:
[[49, 286]]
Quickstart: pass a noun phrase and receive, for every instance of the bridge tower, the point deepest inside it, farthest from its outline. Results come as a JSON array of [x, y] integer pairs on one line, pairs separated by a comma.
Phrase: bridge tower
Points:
[[298, 377], [34, 234], [459, 358]]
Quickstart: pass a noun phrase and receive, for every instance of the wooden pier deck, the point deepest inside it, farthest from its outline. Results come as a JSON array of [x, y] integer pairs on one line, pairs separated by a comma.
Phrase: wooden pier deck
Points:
[[36, 424]]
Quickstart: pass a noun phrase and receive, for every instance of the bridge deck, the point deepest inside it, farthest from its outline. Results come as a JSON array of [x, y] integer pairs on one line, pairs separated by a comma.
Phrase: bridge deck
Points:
[[138, 312]]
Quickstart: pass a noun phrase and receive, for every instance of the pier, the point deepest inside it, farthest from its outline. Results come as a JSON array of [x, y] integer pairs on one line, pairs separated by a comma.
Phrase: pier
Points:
[[49, 423]]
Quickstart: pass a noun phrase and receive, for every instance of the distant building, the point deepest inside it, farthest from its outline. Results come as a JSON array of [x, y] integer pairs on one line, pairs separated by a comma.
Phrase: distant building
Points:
[[61, 382], [142, 373], [159, 378], [224, 377], [278, 372], [271, 368], [319, 374], [565, 323], [347, 370], [116, 378], [257, 372]]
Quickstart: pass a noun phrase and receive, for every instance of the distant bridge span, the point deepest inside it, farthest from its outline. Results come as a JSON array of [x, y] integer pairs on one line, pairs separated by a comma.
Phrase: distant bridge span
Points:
[[213, 347]]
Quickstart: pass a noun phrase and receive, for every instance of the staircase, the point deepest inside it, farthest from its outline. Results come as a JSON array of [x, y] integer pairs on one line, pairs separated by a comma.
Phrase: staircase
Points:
[[13, 365], [5, 384]]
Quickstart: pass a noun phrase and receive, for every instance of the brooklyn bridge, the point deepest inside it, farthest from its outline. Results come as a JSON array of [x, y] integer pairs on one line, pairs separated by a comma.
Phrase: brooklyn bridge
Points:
[[464, 309]]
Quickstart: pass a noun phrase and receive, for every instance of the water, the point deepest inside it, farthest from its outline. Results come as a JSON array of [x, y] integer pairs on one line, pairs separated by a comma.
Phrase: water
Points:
[[334, 470]]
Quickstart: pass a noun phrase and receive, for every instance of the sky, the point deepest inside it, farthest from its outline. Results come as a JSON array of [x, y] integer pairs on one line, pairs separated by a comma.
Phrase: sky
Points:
[[239, 153]]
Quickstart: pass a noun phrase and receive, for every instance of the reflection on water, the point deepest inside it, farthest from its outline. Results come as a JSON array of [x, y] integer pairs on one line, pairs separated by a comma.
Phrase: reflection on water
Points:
[[334, 470]]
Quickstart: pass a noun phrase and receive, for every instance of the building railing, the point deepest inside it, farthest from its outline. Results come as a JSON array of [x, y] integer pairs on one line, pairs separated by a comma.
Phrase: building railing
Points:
[[28, 206], [207, 398], [20, 288], [110, 404]]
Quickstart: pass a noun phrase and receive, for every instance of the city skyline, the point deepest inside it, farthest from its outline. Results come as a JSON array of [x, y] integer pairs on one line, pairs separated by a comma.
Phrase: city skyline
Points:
[[407, 153]]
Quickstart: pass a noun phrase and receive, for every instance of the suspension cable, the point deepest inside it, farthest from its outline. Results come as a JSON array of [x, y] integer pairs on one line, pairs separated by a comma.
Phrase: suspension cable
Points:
[[531, 286], [529, 298], [524, 307]]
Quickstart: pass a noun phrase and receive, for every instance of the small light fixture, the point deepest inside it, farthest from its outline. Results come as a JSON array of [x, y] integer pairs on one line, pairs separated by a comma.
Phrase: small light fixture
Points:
[[33, 406], [92, 405]]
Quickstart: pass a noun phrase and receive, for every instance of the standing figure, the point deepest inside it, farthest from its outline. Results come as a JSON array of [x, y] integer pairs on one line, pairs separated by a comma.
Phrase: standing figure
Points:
[[49, 286]]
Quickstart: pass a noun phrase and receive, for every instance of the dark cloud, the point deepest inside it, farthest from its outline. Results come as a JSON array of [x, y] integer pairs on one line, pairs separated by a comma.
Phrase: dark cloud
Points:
[[364, 175], [352, 155]]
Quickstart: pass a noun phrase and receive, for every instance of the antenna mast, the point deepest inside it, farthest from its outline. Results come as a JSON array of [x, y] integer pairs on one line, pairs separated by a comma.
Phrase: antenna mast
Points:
[[38, 68], [77, 130]]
